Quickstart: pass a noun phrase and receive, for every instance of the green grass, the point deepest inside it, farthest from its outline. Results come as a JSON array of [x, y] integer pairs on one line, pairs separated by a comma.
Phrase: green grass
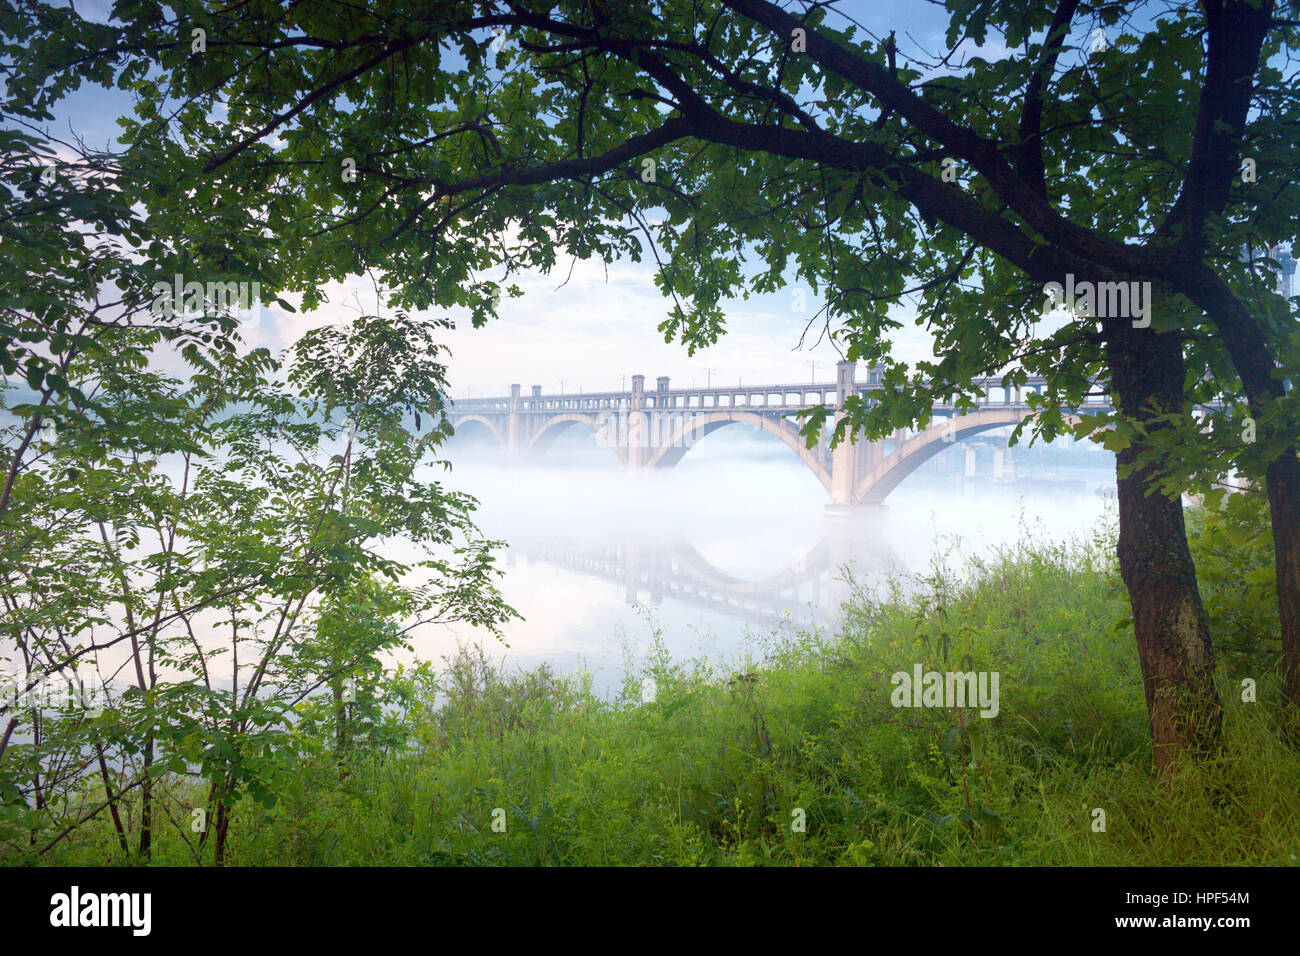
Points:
[[717, 770], [713, 771]]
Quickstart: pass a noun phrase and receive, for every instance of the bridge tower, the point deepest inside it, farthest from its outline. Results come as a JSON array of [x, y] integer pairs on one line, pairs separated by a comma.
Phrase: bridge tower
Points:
[[851, 461], [637, 436], [846, 456], [513, 444]]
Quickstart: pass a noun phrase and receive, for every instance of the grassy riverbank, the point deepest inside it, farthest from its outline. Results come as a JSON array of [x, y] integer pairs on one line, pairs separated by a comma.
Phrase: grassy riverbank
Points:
[[721, 768]]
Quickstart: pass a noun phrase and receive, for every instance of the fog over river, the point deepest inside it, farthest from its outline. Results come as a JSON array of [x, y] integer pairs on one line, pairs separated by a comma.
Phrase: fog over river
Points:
[[720, 552], [734, 542]]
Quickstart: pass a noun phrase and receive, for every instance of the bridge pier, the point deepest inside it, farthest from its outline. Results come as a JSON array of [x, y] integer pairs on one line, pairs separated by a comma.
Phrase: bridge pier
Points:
[[845, 457], [637, 439], [514, 445]]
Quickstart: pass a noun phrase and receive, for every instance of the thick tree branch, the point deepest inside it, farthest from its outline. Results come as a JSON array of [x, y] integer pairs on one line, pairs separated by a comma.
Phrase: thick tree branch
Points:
[[1029, 156], [1236, 30]]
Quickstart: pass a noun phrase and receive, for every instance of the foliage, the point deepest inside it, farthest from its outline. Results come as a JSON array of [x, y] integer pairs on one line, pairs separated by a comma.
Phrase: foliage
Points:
[[711, 771], [1233, 548], [220, 561]]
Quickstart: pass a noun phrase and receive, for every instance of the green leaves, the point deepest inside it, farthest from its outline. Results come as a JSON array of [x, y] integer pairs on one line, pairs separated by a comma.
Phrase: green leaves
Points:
[[214, 519], [35, 374], [1232, 545]]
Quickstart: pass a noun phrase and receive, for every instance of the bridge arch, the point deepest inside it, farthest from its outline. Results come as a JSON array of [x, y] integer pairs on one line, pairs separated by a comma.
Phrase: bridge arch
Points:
[[557, 425], [487, 423], [921, 447], [685, 433]]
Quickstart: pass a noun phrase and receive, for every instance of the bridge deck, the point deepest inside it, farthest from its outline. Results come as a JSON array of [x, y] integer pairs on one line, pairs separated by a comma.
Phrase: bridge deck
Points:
[[769, 398]]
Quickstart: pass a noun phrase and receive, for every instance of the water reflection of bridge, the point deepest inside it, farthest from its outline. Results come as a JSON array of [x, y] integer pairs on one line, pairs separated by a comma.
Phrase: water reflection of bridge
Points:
[[809, 590]]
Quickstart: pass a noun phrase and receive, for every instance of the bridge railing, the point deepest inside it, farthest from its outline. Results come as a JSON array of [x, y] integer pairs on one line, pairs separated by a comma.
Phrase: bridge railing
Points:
[[771, 398]]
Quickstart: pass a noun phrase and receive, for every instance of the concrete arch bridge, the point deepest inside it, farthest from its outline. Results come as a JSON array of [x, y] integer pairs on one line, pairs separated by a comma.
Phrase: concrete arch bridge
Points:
[[655, 429]]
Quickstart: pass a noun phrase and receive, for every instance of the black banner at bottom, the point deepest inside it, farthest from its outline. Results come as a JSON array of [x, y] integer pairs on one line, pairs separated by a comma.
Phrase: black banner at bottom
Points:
[[153, 906]]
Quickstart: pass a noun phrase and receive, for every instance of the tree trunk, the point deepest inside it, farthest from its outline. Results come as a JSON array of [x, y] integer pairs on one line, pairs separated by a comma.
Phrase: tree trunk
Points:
[[340, 730], [221, 825], [146, 805], [112, 803], [1283, 480], [1252, 357], [1173, 635]]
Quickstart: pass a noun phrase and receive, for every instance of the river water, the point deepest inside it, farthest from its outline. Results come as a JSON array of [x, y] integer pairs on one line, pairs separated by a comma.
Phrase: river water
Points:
[[733, 544]]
